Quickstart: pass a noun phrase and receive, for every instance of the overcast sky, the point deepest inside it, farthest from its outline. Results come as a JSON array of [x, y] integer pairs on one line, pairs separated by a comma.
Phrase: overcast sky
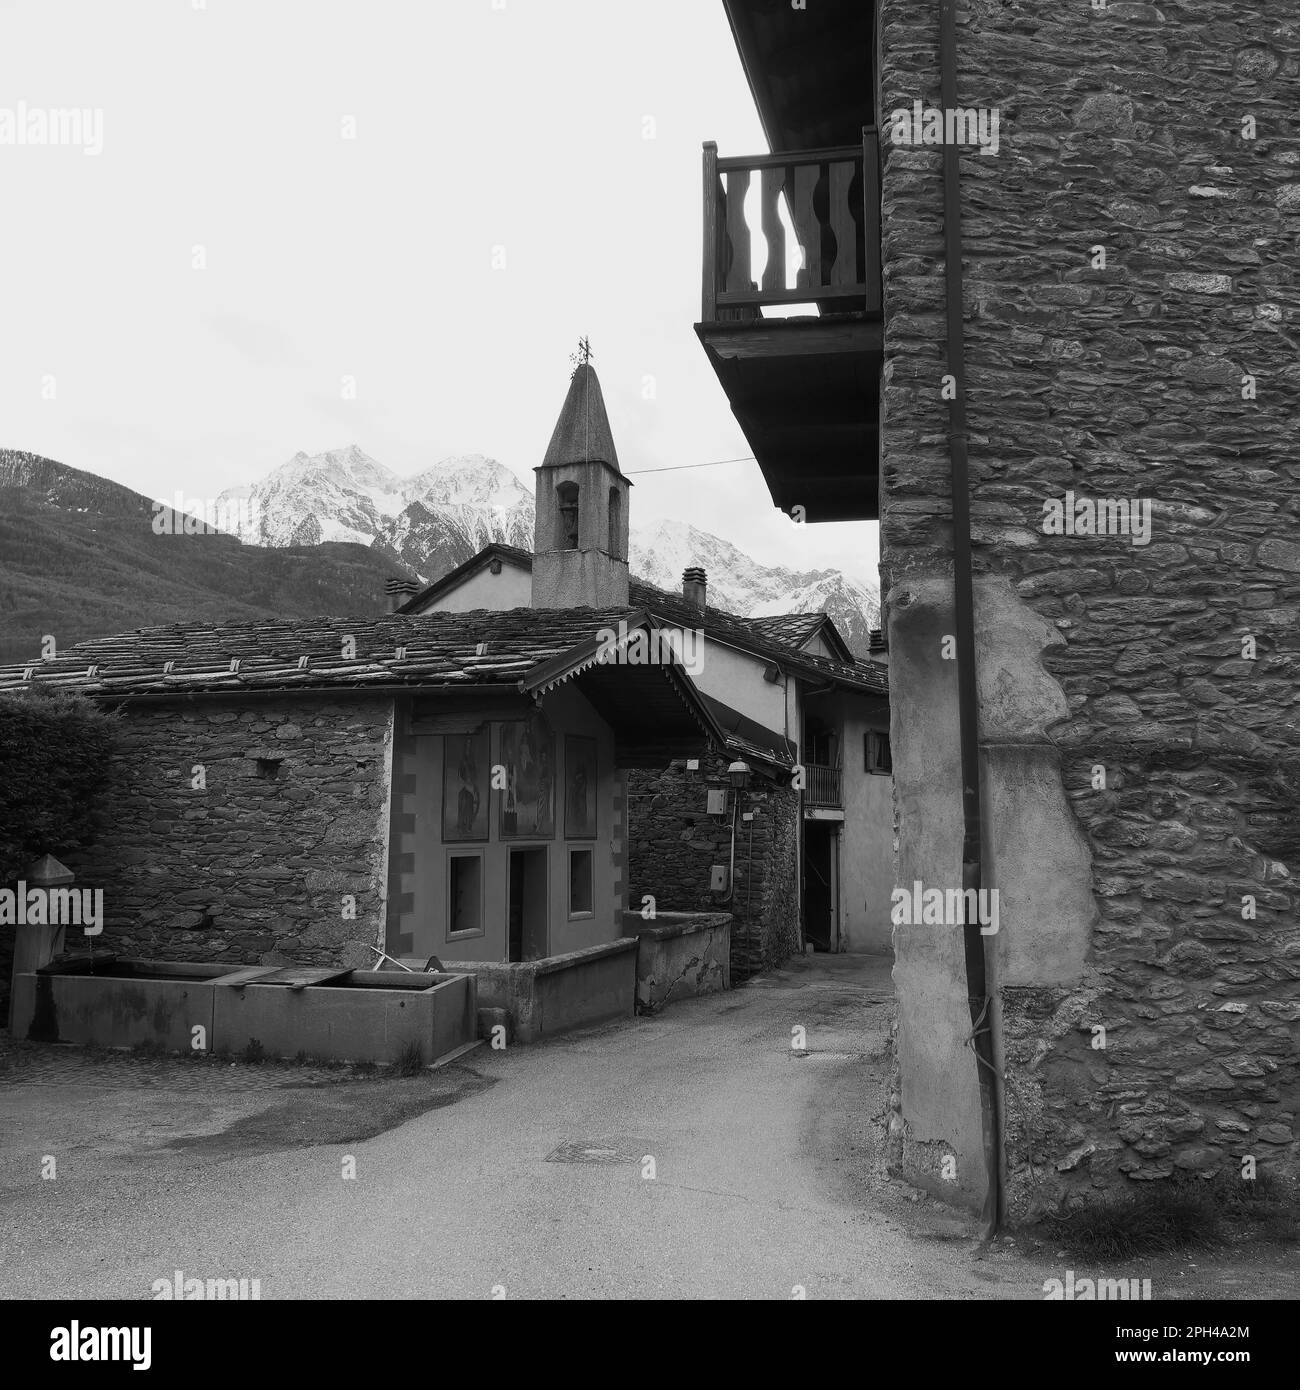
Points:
[[522, 172]]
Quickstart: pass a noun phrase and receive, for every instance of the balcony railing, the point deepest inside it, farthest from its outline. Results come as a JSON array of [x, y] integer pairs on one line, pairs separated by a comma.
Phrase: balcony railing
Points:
[[833, 200], [823, 787]]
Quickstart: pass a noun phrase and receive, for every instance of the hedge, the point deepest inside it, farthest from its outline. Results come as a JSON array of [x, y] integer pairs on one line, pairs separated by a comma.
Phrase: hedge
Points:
[[54, 775]]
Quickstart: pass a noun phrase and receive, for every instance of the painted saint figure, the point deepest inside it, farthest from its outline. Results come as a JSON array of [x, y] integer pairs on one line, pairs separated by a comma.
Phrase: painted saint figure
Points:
[[467, 802]]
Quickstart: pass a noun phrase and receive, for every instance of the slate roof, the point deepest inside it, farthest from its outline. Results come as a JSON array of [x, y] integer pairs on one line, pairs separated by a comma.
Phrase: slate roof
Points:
[[750, 739], [754, 636], [776, 636], [479, 648], [794, 628], [444, 650]]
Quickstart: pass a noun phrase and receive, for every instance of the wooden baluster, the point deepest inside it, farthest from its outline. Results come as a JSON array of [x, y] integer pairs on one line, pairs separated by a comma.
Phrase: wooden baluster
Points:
[[806, 226], [712, 235], [773, 230], [844, 271], [871, 228], [739, 275], [724, 247]]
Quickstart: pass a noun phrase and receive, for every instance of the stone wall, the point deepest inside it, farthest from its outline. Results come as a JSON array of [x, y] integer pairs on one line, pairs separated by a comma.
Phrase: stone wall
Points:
[[253, 867], [1168, 373], [776, 861], [673, 843], [679, 955]]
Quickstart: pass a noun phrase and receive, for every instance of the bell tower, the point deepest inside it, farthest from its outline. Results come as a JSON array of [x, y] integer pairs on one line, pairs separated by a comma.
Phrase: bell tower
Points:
[[580, 545]]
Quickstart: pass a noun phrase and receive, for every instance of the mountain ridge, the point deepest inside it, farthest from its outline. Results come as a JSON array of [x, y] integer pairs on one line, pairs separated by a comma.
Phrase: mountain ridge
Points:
[[455, 507], [79, 556]]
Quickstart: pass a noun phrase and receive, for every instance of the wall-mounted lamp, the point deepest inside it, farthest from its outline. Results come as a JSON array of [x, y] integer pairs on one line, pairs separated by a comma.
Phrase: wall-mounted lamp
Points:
[[738, 775]]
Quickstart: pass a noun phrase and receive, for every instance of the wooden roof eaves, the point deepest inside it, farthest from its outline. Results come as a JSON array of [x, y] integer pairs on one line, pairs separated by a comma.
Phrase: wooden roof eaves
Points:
[[558, 669]]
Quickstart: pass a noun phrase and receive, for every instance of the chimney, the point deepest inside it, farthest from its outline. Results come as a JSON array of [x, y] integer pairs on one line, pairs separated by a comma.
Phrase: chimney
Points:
[[695, 586], [399, 591]]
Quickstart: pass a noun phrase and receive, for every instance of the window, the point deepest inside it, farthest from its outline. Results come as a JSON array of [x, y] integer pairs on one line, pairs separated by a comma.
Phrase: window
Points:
[[465, 894], [566, 496], [615, 523], [879, 758], [579, 883], [820, 739]]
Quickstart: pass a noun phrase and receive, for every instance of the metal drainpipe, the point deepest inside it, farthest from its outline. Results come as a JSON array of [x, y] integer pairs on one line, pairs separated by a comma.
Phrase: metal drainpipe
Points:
[[972, 867], [731, 872], [749, 876]]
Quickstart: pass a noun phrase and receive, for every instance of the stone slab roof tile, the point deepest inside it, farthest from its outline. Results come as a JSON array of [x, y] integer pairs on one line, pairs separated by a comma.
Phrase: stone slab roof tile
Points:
[[483, 648]]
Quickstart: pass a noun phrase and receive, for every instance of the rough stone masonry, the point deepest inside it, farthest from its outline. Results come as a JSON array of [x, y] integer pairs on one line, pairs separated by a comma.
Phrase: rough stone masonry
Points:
[[673, 843], [253, 861], [1132, 330]]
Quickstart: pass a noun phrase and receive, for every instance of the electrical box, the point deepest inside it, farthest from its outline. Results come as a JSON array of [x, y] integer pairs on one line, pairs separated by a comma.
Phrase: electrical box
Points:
[[717, 801], [718, 878]]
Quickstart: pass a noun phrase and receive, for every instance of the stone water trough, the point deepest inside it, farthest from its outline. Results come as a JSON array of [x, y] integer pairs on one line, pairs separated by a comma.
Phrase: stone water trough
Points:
[[326, 1014]]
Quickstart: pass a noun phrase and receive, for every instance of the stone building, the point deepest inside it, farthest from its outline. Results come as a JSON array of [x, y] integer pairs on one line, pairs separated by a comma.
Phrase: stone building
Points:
[[806, 847], [299, 792], [449, 784], [1048, 276], [813, 864]]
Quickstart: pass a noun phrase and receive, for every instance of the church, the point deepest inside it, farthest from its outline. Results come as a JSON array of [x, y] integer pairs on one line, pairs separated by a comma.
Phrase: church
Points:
[[521, 774], [327, 792], [797, 846]]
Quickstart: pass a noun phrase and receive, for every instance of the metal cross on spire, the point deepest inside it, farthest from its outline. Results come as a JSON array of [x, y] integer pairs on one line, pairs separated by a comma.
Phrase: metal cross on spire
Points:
[[582, 357]]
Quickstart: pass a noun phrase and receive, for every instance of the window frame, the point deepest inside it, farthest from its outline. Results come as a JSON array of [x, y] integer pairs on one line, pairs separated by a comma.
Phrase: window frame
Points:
[[878, 755], [460, 851], [584, 914]]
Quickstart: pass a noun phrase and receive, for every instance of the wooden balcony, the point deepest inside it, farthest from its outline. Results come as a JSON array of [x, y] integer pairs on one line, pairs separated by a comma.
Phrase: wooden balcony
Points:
[[804, 387], [823, 787]]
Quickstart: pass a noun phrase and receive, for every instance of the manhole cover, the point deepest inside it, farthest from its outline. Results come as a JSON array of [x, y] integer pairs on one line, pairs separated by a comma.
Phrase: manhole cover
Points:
[[597, 1151]]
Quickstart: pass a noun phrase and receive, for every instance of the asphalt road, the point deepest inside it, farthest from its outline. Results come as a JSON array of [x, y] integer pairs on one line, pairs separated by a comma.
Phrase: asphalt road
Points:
[[529, 1179]]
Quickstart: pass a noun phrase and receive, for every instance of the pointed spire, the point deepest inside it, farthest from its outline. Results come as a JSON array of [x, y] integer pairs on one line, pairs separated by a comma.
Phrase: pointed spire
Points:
[[582, 433]]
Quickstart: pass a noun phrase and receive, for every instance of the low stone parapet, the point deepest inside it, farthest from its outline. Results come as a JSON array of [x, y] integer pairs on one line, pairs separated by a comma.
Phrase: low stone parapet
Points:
[[679, 955], [544, 997]]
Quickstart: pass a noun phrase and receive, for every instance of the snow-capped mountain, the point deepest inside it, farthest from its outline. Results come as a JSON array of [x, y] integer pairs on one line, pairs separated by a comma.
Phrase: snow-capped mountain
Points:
[[440, 517], [341, 495], [434, 520], [741, 585], [456, 508], [473, 480]]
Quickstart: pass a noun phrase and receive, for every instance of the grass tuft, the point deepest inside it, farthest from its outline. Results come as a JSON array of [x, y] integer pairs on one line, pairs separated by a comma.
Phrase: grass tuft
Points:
[[1154, 1224], [410, 1062], [1183, 1212]]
